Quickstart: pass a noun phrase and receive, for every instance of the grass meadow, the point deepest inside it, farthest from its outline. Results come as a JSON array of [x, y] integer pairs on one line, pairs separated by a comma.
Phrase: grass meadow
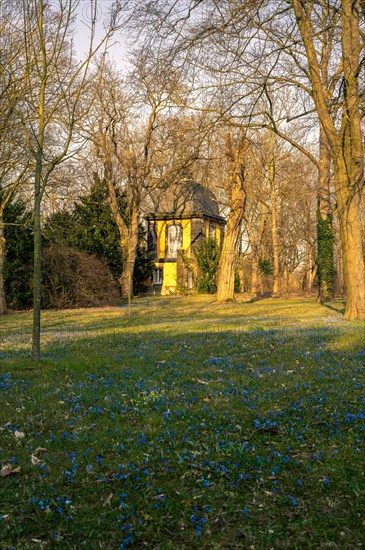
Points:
[[189, 425]]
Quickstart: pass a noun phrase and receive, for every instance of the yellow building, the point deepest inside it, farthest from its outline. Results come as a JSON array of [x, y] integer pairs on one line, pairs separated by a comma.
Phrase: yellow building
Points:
[[182, 217]]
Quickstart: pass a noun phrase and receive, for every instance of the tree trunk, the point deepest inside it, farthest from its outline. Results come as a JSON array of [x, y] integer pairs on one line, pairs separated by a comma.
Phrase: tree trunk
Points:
[[128, 265], [351, 240], [274, 231], [349, 170], [325, 233], [36, 341], [122, 227], [2, 265], [254, 272], [227, 262], [310, 270]]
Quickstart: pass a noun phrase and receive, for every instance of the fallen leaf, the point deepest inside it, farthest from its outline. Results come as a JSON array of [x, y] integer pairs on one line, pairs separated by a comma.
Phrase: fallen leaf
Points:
[[40, 450], [35, 461], [108, 499], [19, 435], [7, 469]]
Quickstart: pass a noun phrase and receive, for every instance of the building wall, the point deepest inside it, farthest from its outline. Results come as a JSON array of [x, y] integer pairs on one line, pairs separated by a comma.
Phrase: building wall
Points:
[[169, 278], [161, 235], [197, 229]]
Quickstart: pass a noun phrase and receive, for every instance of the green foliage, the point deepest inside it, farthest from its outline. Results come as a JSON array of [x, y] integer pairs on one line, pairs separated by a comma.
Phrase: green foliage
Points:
[[265, 267], [207, 257], [18, 256], [326, 270]]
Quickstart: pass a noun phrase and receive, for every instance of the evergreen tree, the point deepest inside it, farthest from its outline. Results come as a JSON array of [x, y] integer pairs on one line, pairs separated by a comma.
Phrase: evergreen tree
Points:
[[18, 256], [207, 257], [90, 228]]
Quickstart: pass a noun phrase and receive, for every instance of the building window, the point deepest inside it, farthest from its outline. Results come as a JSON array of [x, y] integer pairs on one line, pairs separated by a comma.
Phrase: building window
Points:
[[174, 240], [152, 239], [158, 276], [212, 230]]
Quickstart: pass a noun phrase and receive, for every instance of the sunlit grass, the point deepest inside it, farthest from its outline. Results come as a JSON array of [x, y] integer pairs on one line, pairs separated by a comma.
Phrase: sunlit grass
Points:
[[189, 425]]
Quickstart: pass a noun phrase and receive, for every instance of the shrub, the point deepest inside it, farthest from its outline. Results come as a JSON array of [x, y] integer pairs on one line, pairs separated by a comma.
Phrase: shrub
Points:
[[75, 279], [207, 257]]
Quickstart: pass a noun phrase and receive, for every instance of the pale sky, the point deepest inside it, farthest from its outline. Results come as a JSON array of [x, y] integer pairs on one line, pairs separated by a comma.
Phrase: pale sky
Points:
[[118, 48]]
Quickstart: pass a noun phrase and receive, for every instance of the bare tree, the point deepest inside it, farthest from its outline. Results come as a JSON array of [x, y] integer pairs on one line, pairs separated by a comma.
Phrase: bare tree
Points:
[[51, 106], [345, 140], [138, 135]]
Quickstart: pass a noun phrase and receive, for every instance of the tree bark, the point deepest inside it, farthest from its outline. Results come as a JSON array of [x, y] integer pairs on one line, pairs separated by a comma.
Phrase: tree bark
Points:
[[325, 234], [128, 265], [122, 227], [274, 231], [227, 262], [2, 265], [351, 239], [254, 272], [36, 340]]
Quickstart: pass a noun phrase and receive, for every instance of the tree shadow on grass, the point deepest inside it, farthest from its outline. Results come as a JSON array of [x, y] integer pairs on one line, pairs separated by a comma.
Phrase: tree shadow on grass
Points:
[[337, 308], [254, 345]]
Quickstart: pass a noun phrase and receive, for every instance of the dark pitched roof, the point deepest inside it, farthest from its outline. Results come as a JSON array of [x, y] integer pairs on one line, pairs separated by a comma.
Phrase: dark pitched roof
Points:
[[186, 199]]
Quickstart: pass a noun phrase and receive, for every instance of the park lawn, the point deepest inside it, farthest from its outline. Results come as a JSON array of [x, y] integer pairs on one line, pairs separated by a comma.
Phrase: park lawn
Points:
[[189, 425]]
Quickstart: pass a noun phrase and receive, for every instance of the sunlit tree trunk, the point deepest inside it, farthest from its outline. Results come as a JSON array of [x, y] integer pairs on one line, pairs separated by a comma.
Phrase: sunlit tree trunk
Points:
[[274, 231], [237, 202]]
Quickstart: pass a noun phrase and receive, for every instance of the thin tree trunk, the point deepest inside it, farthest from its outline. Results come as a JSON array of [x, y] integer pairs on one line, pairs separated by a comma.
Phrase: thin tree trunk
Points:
[[2, 265], [310, 268], [325, 233], [254, 272], [128, 267], [274, 231], [36, 341], [122, 227]]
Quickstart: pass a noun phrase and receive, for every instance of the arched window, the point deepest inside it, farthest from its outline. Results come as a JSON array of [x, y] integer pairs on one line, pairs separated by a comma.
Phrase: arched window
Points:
[[174, 240]]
